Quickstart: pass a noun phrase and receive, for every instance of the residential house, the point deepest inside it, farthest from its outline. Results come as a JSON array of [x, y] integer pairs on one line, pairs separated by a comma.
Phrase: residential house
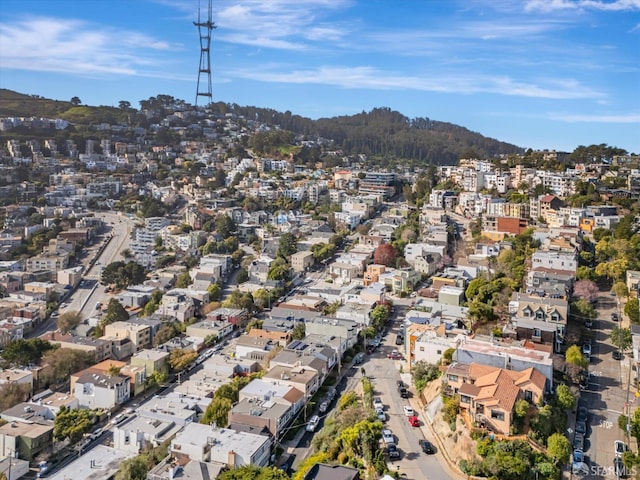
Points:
[[489, 394], [151, 360], [101, 349], [264, 406], [507, 354], [25, 440], [548, 260], [209, 328], [304, 379], [235, 316], [221, 445], [301, 261], [138, 333], [138, 433], [553, 311], [100, 390]]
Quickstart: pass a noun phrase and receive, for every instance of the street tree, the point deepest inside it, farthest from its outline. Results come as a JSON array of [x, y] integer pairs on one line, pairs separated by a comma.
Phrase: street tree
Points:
[[559, 448], [217, 412], [72, 423], [620, 290], [574, 356], [64, 361], [565, 397], [586, 289], [621, 338], [179, 359], [68, 321], [632, 310], [183, 280], [133, 469]]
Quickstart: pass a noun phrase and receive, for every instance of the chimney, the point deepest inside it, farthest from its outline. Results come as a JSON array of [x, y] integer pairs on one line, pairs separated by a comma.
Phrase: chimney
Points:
[[231, 459]]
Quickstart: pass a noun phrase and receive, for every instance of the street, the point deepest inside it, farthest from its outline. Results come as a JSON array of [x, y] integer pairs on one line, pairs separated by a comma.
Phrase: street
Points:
[[607, 394]]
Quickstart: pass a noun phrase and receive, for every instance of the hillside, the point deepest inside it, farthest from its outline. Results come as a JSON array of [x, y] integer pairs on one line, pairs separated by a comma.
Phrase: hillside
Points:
[[386, 133], [381, 134], [14, 104]]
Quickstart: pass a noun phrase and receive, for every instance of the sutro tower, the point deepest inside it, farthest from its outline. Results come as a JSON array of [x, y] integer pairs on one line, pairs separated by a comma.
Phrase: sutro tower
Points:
[[204, 29]]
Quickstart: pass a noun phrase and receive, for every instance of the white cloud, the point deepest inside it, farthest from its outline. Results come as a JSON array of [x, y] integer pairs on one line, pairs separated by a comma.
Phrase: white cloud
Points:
[[372, 78], [603, 5], [78, 47], [577, 118]]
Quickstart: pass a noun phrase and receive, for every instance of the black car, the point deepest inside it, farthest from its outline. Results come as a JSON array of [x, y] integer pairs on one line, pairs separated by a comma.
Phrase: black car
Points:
[[582, 413], [614, 317], [619, 468], [616, 355], [393, 451], [581, 427], [427, 446]]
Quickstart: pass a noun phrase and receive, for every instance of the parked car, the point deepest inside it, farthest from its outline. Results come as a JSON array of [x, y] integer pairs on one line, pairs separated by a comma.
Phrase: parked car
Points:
[[358, 358], [324, 406], [619, 448], [588, 323], [586, 349], [395, 355], [118, 418], [399, 339], [427, 447], [381, 415], [584, 381], [377, 403], [578, 456], [413, 421], [331, 394], [583, 413], [387, 437], [578, 441], [393, 451], [313, 423], [408, 411], [614, 317], [617, 355], [581, 427]]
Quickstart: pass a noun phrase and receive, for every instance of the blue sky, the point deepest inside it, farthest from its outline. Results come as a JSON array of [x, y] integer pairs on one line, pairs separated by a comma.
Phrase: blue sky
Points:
[[538, 73]]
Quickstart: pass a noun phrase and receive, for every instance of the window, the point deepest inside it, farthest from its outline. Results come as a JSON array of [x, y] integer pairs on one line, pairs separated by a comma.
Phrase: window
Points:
[[527, 312], [465, 399], [453, 378], [537, 332], [479, 408], [439, 352], [528, 396], [422, 349], [497, 415], [540, 314]]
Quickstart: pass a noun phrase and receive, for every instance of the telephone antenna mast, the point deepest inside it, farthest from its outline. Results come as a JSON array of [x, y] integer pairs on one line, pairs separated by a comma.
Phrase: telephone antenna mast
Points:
[[204, 72]]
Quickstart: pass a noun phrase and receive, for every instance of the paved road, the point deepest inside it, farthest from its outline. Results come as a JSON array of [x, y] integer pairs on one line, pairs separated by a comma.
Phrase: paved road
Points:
[[85, 298], [606, 396]]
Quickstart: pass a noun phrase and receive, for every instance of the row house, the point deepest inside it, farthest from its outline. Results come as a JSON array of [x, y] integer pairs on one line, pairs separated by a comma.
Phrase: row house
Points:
[[559, 261], [544, 310]]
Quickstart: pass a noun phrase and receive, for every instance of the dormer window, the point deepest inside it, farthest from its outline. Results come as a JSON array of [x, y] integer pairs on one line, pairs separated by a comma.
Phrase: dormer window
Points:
[[540, 314], [527, 312]]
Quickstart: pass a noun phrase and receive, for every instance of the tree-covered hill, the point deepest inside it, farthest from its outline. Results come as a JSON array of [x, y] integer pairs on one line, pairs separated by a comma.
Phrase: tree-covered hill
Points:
[[385, 133]]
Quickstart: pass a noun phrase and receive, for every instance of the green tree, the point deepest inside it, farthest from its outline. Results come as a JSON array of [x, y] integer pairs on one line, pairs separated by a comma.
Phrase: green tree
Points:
[[559, 448], [287, 245], [68, 321], [582, 309], [72, 423], [243, 276], [379, 316], [249, 472], [254, 323], [565, 398], [621, 338], [620, 289], [133, 469], [632, 310], [165, 333], [215, 292], [217, 412], [65, 361], [115, 313], [225, 225], [574, 356], [183, 280], [299, 331], [521, 408], [25, 352]]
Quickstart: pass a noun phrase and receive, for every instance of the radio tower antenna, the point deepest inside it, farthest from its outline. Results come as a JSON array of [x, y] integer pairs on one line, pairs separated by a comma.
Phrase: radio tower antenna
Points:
[[204, 30]]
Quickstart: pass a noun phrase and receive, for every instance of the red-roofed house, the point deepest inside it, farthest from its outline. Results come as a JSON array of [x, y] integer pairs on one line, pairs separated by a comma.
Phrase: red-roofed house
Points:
[[489, 394]]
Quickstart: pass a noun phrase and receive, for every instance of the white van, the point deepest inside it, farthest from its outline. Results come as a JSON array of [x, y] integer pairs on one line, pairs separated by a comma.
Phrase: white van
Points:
[[313, 423]]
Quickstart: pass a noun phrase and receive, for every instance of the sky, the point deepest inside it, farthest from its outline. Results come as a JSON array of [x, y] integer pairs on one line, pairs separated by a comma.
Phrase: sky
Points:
[[541, 74]]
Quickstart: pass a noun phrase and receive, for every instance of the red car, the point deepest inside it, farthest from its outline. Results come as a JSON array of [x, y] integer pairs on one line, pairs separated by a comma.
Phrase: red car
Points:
[[413, 421], [395, 355]]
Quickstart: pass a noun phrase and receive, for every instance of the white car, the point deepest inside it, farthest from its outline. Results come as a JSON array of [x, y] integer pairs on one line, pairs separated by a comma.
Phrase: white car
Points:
[[313, 423], [387, 437], [408, 411], [377, 403], [381, 415], [586, 349]]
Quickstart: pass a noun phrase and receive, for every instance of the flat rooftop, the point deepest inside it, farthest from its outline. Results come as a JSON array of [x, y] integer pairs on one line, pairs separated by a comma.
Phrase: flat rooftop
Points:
[[97, 464]]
